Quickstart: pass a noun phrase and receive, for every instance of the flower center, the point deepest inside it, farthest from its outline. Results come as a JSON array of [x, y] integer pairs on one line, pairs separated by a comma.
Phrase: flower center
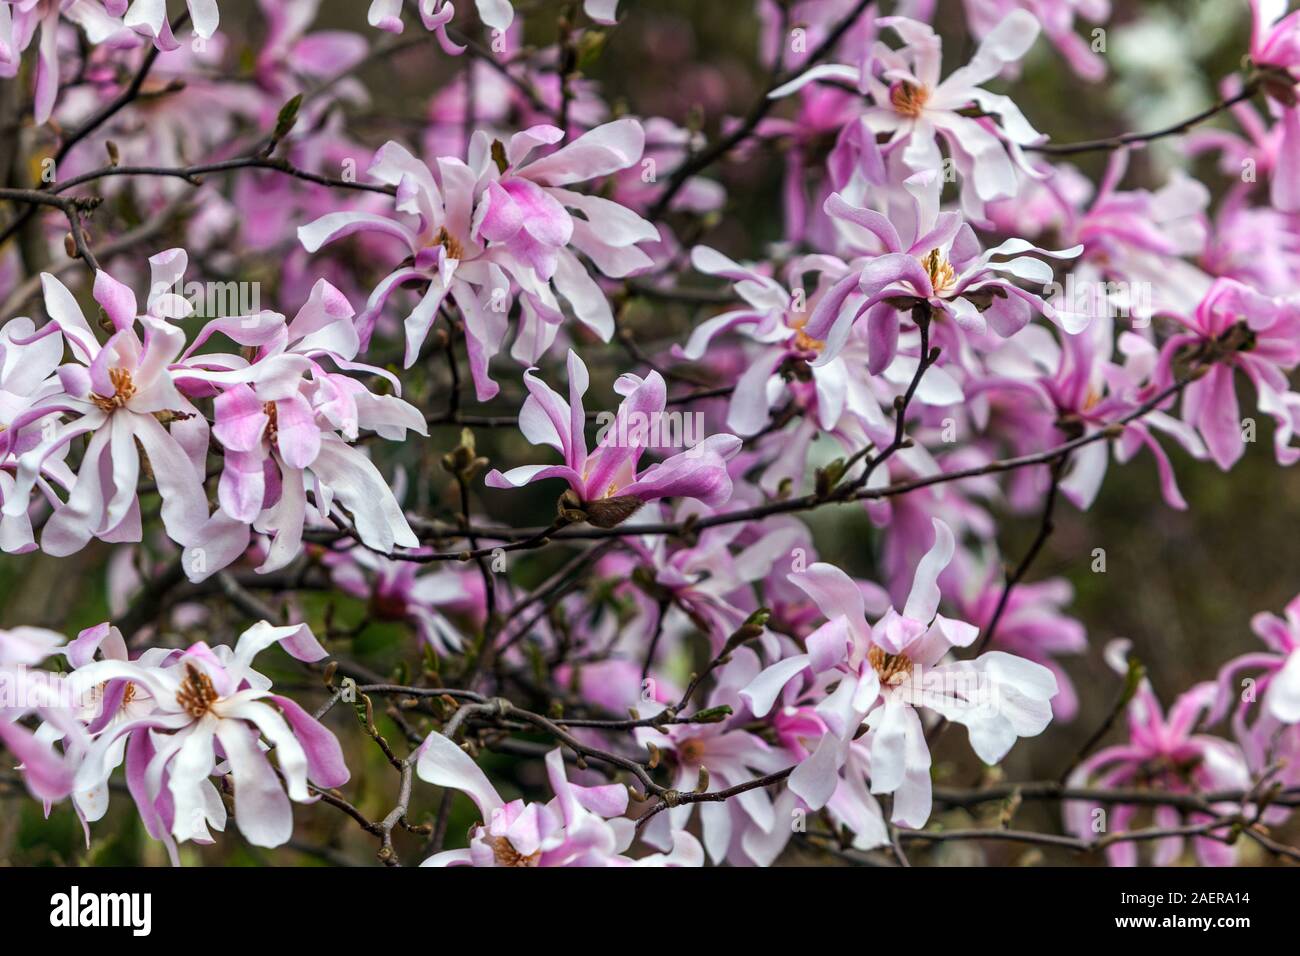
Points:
[[908, 99], [196, 694], [388, 606], [272, 421], [691, 750], [449, 242], [128, 695], [505, 854], [802, 340], [892, 669], [1239, 337], [942, 275], [123, 390]]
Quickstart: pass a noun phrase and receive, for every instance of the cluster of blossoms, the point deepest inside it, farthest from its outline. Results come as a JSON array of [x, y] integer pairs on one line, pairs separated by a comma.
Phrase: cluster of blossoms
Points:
[[283, 422], [957, 325]]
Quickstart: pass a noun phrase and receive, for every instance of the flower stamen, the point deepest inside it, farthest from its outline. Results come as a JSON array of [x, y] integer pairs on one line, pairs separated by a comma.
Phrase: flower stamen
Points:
[[802, 340], [505, 854], [123, 391], [196, 694], [449, 242], [892, 669], [942, 275], [272, 421], [908, 99]]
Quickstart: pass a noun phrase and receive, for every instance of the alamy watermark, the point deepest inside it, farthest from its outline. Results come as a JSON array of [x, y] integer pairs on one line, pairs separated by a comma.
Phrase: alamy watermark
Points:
[[1087, 299], [206, 300], [650, 429]]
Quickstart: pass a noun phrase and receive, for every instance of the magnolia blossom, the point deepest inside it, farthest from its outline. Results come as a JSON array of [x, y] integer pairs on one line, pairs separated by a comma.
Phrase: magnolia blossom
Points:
[[1275, 48], [942, 267], [582, 826], [499, 223], [605, 485], [1164, 753], [21, 19], [786, 371], [118, 394], [25, 691], [204, 698], [879, 381], [496, 14], [405, 591], [27, 376], [149, 17], [914, 108], [884, 674], [1271, 692], [718, 756], [103, 706], [1058, 390], [286, 423], [774, 317], [1057, 18], [1237, 329]]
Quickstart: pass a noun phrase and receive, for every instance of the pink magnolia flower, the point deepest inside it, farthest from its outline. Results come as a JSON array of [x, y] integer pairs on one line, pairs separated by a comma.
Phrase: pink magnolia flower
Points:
[[209, 697], [25, 691], [941, 264], [1163, 753], [1275, 49], [435, 15], [497, 15], [286, 424], [774, 317], [290, 52], [1271, 694], [106, 705], [914, 108], [406, 591], [1046, 393], [884, 674], [19, 21], [500, 220], [1234, 329], [117, 394], [1057, 18], [606, 483], [729, 754], [524, 207], [149, 17], [787, 369], [582, 826], [1033, 624], [780, 319], [27, 377]]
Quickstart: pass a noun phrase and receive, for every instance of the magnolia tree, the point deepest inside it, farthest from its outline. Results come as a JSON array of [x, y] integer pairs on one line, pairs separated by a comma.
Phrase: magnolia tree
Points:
[[404, 382]]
